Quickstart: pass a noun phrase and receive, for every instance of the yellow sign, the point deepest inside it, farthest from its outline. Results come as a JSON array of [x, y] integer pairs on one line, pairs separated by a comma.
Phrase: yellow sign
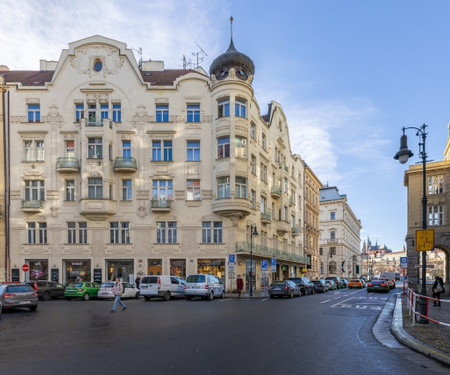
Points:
[[424, 239]]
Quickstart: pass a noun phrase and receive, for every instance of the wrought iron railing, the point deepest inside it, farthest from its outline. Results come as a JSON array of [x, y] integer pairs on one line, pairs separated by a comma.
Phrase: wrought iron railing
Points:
[[244, 247]]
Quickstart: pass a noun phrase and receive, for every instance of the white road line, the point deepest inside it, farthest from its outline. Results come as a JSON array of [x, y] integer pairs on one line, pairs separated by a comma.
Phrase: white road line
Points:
[[348, 299], [326, 301]]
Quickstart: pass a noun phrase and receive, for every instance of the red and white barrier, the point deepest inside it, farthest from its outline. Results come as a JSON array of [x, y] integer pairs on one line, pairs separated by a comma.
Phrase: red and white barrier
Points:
[[412, 304]]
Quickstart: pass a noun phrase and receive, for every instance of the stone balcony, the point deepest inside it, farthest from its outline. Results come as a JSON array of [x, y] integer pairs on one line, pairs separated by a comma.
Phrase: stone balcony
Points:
[[68, 165], [125, 164]]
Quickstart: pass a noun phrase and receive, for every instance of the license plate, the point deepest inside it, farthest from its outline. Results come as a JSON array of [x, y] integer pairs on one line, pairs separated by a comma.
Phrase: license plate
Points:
[[24, 302], [277, 288]]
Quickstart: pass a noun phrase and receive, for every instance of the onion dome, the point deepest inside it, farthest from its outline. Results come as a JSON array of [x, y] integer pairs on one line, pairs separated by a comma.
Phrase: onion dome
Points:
[[232, 58]]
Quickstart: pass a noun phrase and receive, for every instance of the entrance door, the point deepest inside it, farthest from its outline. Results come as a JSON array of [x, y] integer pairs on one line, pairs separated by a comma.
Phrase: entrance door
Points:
[[247, 275]]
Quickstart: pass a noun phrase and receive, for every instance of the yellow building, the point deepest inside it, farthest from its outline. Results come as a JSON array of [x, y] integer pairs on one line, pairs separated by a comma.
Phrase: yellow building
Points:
[[3, 200], [124, 168]]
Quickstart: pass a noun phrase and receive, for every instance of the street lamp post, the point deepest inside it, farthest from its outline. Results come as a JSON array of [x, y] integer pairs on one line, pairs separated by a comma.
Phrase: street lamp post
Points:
[[402, 156], [253, 232]]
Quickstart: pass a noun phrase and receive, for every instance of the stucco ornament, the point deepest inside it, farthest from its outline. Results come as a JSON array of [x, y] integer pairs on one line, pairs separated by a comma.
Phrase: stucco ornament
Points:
[[97, 60]]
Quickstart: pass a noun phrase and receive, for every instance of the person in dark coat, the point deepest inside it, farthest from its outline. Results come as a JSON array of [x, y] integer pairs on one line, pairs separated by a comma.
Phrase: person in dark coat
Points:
[[138, 282], [240, 285], [438, 288]]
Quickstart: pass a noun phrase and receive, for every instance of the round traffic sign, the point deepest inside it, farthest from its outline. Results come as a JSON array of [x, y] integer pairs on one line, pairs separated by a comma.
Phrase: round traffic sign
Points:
[[25, 268]]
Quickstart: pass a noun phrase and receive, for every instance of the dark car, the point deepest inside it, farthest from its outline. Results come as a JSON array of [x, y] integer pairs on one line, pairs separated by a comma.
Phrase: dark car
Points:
[[320, 285], [18, 295], [337, 280], [284, 288], [378, 286], [49, 289], [305, 285]]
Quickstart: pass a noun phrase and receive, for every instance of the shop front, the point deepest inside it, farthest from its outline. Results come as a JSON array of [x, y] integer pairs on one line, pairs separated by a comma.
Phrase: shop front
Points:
[[154, 267], [121, 268], [212, 267], [38, 269], [178, 268], [76, 270]]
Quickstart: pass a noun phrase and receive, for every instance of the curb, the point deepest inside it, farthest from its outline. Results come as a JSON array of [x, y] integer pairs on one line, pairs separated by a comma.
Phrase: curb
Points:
[[406, 339]]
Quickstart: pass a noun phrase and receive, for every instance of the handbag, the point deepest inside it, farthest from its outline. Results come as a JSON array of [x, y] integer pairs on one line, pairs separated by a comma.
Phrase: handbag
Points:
[[438, 288]]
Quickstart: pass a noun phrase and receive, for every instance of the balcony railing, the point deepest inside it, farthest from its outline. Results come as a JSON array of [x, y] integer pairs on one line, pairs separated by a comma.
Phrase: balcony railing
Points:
[[68, 164], [295, 231], [258, 250], [94, 121], [160, 205], [275, 192], [32, 206], [125, 164], [266, 217]]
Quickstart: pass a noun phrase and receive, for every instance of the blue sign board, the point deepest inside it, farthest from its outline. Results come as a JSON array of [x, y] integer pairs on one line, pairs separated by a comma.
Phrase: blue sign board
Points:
[[232, 258], [273, 265], [403, 259], [264, 265]]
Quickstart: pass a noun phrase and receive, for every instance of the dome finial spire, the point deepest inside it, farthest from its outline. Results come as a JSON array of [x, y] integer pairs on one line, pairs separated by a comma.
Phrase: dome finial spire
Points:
[[231, 27]]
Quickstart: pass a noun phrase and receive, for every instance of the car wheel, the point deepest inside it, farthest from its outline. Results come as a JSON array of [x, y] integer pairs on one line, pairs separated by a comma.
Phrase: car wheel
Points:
[[46, 296], [147, 298], [188, 298], [291, 294], [306, 292], [313, 291], [33, 308], [272, 296], [223, 294], [166, 296], [86, 296], [211, 296], [136, 295], [68, 298]]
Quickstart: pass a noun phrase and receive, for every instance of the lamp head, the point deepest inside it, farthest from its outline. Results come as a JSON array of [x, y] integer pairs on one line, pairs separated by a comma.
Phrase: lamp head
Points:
[[254, 232], [403, 153]]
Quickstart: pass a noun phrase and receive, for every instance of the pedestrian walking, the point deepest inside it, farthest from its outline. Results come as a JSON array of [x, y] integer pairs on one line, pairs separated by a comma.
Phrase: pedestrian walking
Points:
[[117, 291], [138, 281], [438, 288], [240, 285]]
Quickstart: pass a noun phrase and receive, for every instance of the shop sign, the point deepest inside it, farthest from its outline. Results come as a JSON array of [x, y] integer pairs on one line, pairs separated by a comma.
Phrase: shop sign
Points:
[[97, 275], [55, 274]]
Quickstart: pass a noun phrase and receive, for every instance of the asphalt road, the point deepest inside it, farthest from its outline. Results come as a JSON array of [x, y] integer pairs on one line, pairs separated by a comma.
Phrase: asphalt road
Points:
[[327, 333]]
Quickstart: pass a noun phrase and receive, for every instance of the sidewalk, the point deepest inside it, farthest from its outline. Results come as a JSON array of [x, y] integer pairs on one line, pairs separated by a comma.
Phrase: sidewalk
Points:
[[256, 295], [432, 340]]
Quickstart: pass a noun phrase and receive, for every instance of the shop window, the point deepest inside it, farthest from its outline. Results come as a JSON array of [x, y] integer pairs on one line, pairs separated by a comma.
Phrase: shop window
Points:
[[38, 269], [212, 267], [154, 267], [77, 270], [178, 268]]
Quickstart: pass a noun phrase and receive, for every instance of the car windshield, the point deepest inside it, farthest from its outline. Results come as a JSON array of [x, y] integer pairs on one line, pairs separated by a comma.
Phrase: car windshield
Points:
[[196, 279], [19, 288], [278, 282], [355, 281], [76, 285], [107, 285]]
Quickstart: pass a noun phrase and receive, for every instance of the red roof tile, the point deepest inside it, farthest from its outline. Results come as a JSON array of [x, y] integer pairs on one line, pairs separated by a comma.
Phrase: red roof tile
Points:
[[28, 77]]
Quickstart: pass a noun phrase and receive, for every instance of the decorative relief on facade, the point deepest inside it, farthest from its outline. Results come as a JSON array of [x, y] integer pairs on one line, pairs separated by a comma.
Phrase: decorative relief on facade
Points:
[[141, 116], [85, 57], [18, 119], [53, 117]]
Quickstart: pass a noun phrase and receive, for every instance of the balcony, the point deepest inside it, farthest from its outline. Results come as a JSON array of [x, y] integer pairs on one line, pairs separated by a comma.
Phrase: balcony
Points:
[[32, 206], [295, 231], [266, 218], [230, 207], [161, 205], [264, 251], [68, 165], [275, 192], [94, 121], [282, 227], [125, 164], [98, 209], [332, 241]]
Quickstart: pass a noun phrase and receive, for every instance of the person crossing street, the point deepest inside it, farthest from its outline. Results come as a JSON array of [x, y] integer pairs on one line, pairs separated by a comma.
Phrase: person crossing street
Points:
[[117, 291]]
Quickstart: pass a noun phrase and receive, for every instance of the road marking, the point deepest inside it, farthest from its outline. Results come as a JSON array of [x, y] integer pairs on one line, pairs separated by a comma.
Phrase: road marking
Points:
[[326, 301], [348, 299]]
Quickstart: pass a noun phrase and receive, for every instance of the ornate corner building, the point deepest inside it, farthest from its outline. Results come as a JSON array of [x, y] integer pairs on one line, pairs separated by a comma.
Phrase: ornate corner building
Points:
[[121, 168]]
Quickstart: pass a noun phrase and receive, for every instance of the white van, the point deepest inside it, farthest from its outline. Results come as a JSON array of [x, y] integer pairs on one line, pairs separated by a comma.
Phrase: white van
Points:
[[161, 286]]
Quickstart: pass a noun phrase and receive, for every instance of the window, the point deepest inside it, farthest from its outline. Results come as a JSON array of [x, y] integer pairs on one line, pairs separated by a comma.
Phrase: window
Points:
[[92, 115], [104, 111], [223, 187], [193, 192], [119, 232], [162, 190], [241, 187], [263, 207], [126, 190], [223, 108], [253, 130], [435, 215], [332, 267], [263, 141], [79, 112], [253, 199], [253, 164], [436, 184], [34, 190], [193, 151], [34, 112], [37, 232], [285, 185], [74, 228], [166, 232], [223, 147], [332, 235], [117, 112], [193, 113], [126, 150], [212, 232], [70, 149], [95, 188], [95, 149], [70, 190], [162, 113], [240, 108], [263, 172], [240, 147], [285, 214], [33, 150], [332, 215], [162, 151]]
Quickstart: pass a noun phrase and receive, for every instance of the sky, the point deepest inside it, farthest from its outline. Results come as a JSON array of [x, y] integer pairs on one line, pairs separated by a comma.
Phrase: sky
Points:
[[349, 74]]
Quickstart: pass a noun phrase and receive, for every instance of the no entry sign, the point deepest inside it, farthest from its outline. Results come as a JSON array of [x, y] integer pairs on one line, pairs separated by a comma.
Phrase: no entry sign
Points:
[[25, 268]]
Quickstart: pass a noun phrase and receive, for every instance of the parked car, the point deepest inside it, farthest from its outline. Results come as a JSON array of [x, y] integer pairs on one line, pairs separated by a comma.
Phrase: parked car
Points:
[[378, 286], [284, 288], [128, 290], [337, 281], [320, 285], [33, 284], [390, 282], [50, 289], [162, 286], [85, 290], [355, 283], [1, 308], [204, 286], [345, 282], [331, 284], [305, 285], [14, 296]]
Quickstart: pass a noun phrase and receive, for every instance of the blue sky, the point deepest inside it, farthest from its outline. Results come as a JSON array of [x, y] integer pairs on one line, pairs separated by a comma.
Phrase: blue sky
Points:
[[349, 74]]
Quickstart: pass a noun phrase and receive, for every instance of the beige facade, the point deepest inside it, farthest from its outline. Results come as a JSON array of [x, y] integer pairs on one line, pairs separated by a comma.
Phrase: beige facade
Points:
[[3, 202], [311, 226], [340, 241], [438, 214], [123, 169]]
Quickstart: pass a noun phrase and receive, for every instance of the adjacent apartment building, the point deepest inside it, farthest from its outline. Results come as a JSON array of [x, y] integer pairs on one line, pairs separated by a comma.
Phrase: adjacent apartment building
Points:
[[122, 168], [340, 243]]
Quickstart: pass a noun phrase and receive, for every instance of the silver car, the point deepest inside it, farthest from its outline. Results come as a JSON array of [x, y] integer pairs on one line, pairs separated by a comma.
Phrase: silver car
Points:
[[129, 291], [204, 286], [18, 295]]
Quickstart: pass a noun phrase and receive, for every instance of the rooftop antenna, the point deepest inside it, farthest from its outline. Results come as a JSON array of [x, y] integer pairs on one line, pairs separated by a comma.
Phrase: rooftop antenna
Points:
[[199, 57], [139, 52]]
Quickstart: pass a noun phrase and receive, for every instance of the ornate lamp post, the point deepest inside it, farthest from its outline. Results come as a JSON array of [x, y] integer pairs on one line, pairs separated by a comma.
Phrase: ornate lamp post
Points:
[[253, 232], [402, 156]]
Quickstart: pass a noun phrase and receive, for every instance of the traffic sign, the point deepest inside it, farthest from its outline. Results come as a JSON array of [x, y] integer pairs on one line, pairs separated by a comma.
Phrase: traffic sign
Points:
[[424, 239], [232, 258], [25, 268], [273, 265], [264, 265]]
